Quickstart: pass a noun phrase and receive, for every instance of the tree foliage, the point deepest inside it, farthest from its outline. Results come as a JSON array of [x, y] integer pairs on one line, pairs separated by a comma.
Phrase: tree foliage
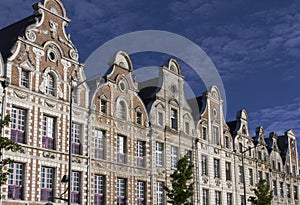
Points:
[[6, 144], [263, 194], [182, 187]]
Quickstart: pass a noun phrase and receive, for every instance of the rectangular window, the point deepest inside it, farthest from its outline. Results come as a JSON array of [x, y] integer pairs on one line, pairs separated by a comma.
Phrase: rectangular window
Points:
[[241, 174], [159, 154], [216, 136], [103, 106], [227, 142], [249, 151], [205, 197], [260, 175], [288, 190], [24, 79], [18, 123], [296, 192], [140, 189], [99, 144], [274, 187], [48, 132], [99, 193], [174, 120], [121, 191], [281, 189], [250, 176], [75, 188], [273, 165], [216, 168], [242, 200], [204, 133], [121, 149], [229, 198], [204, 165], [279, 166], [187, 128], [47, 184], [294, 170], [76, 131], [140, 153], [138, 118], [160, 119], [267, 178], [188, 153], [228, 171], [160, 193], [174, 156], [218, 198], [15, 181], [240, 147], [259, 155]]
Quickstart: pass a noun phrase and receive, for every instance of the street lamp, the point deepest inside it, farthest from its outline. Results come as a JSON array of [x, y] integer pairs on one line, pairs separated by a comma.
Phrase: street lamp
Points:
[[243, 167]]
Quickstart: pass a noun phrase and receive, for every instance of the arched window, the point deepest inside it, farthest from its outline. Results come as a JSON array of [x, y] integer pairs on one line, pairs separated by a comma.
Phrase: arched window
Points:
[[50, 89], [122, 110]]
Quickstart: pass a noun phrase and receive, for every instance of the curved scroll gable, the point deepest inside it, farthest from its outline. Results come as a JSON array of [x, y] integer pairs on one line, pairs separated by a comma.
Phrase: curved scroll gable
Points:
[[174, 66], [122, 60]]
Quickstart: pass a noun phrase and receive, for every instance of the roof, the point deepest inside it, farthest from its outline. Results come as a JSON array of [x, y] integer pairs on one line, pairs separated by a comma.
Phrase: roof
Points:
[[11, 34], [232, 126], [196, 105]]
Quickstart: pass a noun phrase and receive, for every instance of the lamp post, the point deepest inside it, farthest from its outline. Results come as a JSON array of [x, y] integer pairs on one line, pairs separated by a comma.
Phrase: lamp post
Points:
[[243, 167]]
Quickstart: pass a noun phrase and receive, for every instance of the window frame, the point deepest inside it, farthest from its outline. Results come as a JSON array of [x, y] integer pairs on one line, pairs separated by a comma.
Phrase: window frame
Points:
[[174, 119], [47, 183], [121, 191], [160, 193], [18, 125], [141, 192], [76, 138], [25, 79], [140, 153], [174, 155], [50, 85], [15, 181], [121, 149], [159, 153], [48, 132], [99, 144], [99, 189], [217, 168], [75, 187]]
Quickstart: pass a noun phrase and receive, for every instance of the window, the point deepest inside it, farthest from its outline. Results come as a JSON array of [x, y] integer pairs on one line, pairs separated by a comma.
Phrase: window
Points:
[[204, 164], [274, 187], [218, 198], [296, 192], [159, 153], [122, 110], [103, 106], [174, 119], [24, 79], [50, 90], [228, 171], [75, 188], [229, 198], [121, 149], [267, 178], [76, 128], [75, 96], [160, 193], [139, 118], [259, 155], [140, 153], [140, 189], [15, 181], [121, 191], [216, 168], [99, 190], [205, 197], [273, 165], [48, 133], [204, 133], [174, 156], [187, 128], [251, 177], [288, 190], [160, 119], [294, 170], [188, 153], [260, 175], [281, 189], [249, 151], [227, 142], [99, 144], [279, 166], [242, 200], [241, 174], [216, 135], [240, 147], [18, 121], [47, 184]]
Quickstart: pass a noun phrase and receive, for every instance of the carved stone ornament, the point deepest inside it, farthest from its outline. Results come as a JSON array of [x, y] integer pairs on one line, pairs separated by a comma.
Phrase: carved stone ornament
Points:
[[20, 94], [29, 56], [53, 28], [76, 160], [216, 150], [30, 35], [73, 54], [205, 179], [218, 181], [228, 154], [48, 155], [50, 103], [229, 184]]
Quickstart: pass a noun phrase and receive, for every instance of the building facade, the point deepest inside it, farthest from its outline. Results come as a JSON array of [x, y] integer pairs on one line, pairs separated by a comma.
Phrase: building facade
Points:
[[126, 136]]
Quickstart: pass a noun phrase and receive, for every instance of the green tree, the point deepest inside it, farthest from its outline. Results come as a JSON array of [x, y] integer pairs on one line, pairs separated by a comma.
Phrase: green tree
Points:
[[182, 187], [263, 194], [6, 144]]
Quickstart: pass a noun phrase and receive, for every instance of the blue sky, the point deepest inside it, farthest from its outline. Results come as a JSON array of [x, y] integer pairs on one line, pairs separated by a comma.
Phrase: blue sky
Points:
[[255, 45]]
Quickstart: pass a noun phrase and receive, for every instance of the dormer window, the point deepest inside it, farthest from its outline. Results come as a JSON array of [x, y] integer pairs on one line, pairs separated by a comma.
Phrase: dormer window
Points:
[[24, 79], [50, 90], [139, 118], [174, 120], [103, 106], [122, 110]]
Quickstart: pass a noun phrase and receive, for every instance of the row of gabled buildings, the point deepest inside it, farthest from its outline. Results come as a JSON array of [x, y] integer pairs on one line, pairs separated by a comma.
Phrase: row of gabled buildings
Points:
[[126, 136]]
